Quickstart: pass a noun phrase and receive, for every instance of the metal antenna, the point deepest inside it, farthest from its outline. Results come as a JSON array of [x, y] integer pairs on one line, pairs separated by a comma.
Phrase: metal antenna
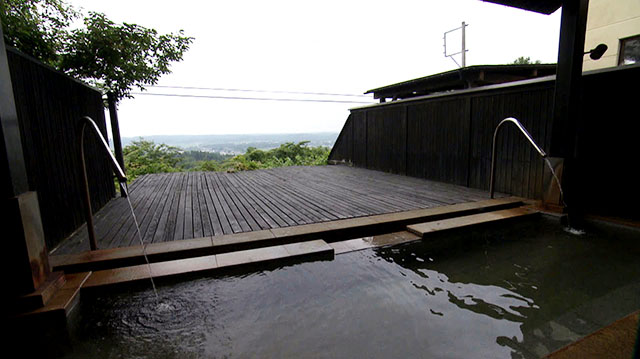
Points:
[[463, 52]]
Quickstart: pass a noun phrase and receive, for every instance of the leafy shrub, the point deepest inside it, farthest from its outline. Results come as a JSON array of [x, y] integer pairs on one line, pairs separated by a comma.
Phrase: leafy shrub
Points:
[[288, 154], [143, 157]]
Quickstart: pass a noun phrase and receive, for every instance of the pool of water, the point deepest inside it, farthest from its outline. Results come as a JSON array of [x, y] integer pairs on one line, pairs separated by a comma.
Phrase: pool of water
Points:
[[519, 290]]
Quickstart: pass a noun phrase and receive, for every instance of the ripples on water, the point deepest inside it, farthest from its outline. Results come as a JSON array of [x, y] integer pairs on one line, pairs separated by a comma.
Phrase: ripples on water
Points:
[[506, 294]]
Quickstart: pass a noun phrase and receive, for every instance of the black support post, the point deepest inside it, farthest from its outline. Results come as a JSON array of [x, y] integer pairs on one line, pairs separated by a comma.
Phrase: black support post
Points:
[[567, 101], [568, 94], [115, 133]]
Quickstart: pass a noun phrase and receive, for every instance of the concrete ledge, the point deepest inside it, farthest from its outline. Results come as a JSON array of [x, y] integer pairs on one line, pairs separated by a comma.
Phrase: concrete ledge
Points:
[[616, 340], [331, 231]]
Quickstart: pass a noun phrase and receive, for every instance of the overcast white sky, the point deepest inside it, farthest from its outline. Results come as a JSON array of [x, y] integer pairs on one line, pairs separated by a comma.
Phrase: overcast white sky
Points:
[[345, 47]]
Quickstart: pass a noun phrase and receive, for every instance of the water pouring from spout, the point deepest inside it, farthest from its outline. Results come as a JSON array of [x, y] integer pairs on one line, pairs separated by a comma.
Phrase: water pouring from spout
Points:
[[144, 247], [569, 229], [87, 122], [540, 151]]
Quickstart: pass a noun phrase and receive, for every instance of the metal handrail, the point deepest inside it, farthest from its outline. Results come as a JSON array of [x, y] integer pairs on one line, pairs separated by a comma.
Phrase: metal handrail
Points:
[[87, 197], [493, 149]]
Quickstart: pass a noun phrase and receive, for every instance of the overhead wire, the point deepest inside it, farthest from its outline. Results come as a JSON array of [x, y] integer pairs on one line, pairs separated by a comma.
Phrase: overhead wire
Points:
[[249, 98], [263, 91]]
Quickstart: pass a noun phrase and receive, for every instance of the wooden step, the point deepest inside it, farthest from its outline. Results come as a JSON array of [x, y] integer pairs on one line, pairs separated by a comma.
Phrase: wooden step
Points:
[[212, 263], [380, 240], [332, 230], [61, 302], [423, 229], [41, 296]]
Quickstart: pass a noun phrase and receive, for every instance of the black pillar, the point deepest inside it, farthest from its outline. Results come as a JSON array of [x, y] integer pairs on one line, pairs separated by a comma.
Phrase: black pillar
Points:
[[568, 99], [115, 133], [569, 78]]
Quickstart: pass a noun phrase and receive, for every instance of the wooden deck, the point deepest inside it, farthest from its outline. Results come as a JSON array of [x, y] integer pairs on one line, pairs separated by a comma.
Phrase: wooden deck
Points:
[[175, 206]]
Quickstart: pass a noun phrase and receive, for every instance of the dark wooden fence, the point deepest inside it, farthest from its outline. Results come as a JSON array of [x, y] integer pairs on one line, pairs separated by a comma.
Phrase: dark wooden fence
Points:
[[49, 105], [448, 137]]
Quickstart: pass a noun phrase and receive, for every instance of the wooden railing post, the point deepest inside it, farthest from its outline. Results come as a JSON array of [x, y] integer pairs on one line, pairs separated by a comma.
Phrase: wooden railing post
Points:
[[115, 131]]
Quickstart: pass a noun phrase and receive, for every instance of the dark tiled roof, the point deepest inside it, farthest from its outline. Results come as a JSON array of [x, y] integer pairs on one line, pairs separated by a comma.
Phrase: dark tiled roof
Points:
[[541, 6], [467, 77]]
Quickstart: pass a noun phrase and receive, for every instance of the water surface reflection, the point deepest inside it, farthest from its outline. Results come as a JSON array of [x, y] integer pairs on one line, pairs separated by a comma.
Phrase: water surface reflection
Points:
[[522, 291]]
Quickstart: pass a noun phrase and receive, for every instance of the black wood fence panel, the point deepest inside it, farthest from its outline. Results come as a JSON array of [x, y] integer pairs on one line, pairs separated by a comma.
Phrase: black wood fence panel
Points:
[[438, 139], [386, 139], [520, 169], [342, 149], [359, 135], [448, 138], [49, 105]]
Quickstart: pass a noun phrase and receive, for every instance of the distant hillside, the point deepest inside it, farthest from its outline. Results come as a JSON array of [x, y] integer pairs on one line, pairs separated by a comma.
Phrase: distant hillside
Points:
[[236, 144]]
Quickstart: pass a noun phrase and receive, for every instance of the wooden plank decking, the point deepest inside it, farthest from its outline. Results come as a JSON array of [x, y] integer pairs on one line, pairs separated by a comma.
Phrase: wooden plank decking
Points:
[[175, 206]]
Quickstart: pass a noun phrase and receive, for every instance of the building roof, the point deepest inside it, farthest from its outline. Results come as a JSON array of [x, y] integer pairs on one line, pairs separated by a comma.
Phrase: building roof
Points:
[[541, 6], [463, 78]]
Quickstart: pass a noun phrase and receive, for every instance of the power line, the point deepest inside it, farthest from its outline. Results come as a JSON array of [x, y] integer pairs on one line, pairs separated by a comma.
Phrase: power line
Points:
[[249, 98], [266, 91]]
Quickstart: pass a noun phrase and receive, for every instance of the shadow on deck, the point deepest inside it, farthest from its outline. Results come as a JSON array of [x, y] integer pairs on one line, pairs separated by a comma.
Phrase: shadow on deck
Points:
[[177, 206]]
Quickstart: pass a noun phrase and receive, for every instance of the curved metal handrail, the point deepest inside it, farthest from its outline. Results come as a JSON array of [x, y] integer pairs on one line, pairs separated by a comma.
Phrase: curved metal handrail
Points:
[[493, 148], [87, 197]]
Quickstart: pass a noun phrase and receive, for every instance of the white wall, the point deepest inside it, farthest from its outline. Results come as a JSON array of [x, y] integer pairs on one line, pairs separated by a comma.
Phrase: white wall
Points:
[[608, 22]]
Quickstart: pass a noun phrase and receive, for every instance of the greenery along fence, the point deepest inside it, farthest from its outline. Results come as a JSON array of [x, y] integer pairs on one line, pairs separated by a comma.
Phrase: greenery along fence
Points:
[[49, 105]]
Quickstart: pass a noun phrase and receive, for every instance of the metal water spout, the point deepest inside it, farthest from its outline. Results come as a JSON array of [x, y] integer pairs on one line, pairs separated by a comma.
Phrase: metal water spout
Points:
[[493, 149], [86, 120]]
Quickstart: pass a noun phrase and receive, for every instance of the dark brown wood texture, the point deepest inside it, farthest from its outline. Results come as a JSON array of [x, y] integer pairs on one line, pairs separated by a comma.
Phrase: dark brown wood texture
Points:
[[386, 143], [520, 169], [49, 105], [438, 140], [175, 206], [340, 151], [448, 138], [359, 135]]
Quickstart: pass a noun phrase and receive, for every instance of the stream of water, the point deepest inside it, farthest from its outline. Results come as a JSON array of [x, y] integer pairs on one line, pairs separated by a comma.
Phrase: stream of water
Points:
[[144, 247], [555, 177]]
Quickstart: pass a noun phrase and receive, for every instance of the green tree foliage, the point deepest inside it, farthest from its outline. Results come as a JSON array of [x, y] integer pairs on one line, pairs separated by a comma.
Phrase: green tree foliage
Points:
[[144, 157], [207, 166], [113, 57], [36, 27], [525, 61], [288, 154], [117, 57], [201, 161]]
